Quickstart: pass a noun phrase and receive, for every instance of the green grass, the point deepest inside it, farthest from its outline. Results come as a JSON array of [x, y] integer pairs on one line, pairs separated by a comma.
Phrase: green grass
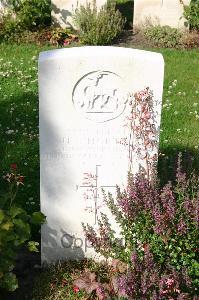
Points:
[[180, 113], [19, 112]]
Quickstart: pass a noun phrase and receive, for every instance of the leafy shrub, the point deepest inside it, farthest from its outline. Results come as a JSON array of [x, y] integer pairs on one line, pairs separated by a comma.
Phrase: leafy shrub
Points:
[[32, 14], [15, 229], [164, 36], [9, 26], [191, 13], [25, 15], [98, 27]]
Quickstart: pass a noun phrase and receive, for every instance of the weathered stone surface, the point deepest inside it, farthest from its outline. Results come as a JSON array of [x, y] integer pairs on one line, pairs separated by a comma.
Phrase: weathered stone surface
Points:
[[162, 12], [62, 11]]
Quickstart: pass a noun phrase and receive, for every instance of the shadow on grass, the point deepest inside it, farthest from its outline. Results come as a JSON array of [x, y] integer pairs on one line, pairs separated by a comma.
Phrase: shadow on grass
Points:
[[167, 163], [15, 147]]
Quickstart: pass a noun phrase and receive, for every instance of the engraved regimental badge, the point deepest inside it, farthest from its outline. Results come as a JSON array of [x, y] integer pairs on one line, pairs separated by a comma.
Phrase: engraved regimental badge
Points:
[[99, 96]]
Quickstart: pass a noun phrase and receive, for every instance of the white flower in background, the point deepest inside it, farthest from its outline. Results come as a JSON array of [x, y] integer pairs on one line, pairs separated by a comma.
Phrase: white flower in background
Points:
[[195, 104], [175, 112], [10, 131]]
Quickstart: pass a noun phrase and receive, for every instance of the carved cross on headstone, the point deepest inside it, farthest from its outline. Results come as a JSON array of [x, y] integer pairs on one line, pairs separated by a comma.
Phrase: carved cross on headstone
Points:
[[96, 187]]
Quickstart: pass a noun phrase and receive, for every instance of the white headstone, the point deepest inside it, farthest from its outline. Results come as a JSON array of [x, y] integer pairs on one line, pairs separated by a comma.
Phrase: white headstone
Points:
[[159, 12], [83, 111], [63, 10]]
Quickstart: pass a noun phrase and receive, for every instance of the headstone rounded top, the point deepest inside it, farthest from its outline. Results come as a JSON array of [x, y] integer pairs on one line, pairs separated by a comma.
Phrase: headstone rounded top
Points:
[[95, 51]]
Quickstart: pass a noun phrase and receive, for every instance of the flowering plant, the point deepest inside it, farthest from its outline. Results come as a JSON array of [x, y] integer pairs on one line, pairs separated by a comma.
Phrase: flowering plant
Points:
[[15, 229], [158, 225], [159, 228]]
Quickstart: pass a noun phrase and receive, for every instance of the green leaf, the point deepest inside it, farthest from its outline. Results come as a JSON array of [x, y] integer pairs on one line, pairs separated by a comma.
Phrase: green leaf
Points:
[[22, 230], [7, 226], [2, 215], [15, 211], [32, 246], [38, 218], [9, 282]]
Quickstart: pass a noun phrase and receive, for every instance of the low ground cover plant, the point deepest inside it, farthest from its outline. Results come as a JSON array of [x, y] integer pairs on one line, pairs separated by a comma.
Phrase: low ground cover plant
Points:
[[15, 228], [62, 37], [164, 36]]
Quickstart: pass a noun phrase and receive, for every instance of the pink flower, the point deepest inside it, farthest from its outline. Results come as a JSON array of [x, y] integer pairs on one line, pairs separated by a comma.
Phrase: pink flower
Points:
[[66, 42], [169, 282], [75, 289], [20, 180]]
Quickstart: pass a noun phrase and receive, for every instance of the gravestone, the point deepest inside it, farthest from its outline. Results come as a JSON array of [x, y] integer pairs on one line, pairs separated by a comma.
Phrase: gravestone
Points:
[[160, 12], [84, 109], [63, 10]]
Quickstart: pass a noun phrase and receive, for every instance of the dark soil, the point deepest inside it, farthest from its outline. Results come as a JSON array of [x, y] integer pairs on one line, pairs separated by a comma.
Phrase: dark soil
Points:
[[132, 39]]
